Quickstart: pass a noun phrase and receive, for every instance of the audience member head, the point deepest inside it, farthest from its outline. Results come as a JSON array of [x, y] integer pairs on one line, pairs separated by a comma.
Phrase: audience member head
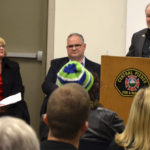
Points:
[[75, 47], [2, 47], [15, 134], [67, 112], [74, 72], [137, 131]]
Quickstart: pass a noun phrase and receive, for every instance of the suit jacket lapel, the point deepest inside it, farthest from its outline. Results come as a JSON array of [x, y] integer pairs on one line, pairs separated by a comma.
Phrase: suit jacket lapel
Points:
[[88, 64]]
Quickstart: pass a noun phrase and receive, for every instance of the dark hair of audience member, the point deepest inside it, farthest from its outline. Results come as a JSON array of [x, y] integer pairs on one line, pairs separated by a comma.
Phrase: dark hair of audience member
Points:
[[94, 92]]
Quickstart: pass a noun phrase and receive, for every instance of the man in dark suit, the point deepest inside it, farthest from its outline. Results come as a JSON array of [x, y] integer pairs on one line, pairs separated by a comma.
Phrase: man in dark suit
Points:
[[56, 64], [75, 49], [140, 43]]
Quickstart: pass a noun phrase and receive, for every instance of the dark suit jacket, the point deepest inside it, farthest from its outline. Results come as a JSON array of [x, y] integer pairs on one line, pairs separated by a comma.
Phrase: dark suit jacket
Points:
[[12, 84], [137, 43], [50, 81]]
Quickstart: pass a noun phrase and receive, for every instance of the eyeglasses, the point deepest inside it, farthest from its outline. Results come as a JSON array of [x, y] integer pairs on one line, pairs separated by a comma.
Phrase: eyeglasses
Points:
[[2, 46], [75, 45]]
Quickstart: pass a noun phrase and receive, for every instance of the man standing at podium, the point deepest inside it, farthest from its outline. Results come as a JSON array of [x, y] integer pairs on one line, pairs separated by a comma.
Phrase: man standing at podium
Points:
[[140, 43]]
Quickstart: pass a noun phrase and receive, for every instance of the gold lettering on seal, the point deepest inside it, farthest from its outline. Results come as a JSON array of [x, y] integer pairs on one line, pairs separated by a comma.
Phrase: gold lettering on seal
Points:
[[123, 75]]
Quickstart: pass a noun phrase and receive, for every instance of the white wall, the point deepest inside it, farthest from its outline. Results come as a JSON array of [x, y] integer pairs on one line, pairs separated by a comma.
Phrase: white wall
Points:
[[135, 18], [102, 23]]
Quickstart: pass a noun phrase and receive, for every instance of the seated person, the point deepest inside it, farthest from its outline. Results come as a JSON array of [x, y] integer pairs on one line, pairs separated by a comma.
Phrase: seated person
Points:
[[136, 134], [10, 84], [76, 47], [66, 117], [15, 134]]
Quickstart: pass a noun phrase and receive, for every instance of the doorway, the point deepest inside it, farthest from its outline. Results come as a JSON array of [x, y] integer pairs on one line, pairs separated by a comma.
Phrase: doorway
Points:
[[24, 27]]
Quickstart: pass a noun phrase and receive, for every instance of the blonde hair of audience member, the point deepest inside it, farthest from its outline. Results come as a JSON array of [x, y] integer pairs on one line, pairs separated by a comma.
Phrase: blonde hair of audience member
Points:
[[15, 134], [2, 41], [2, 45], [137, 132]]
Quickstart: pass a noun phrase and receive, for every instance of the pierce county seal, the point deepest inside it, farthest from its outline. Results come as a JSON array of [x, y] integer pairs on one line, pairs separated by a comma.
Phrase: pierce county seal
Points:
[[129, 81]]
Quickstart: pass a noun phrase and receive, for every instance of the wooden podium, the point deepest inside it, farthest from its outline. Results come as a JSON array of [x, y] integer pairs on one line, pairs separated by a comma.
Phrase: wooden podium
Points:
[[121, 78]]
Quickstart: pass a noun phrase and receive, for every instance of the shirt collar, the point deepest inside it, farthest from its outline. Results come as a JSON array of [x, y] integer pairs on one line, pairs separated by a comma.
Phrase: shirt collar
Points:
[[83, 61]]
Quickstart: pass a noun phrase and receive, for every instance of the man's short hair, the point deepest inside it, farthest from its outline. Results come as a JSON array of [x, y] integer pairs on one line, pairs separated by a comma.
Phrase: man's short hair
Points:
[[76, 34], [15, 134], [67, 110], [147, 7]]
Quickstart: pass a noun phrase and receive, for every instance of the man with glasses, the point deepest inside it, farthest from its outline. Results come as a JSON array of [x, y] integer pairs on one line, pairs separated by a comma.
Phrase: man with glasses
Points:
[[75, 49]]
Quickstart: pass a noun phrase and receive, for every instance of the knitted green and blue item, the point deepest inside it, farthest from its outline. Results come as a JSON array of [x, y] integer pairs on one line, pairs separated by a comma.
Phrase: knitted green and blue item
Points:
[[74, 72]]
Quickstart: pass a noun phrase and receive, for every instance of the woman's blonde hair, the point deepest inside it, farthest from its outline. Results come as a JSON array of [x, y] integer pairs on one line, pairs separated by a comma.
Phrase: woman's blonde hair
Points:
[[137, 132], [3, 42]]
